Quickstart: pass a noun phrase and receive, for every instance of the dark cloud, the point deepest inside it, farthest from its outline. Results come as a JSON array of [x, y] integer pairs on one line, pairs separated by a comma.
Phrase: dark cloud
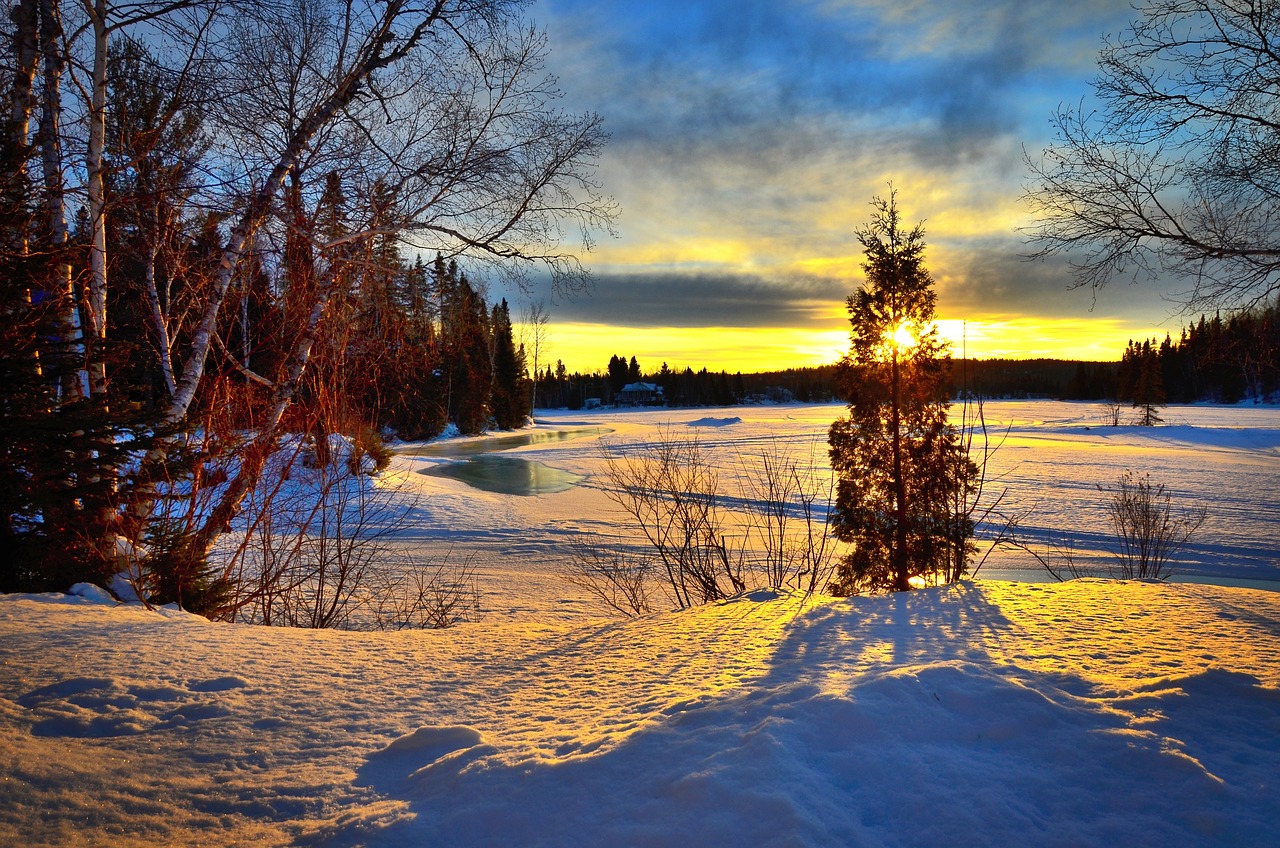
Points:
[[691, 299], [993, 276]]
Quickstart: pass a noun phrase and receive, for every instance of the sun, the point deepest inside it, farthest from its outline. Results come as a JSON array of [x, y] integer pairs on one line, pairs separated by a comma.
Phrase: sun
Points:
[[902, 338]]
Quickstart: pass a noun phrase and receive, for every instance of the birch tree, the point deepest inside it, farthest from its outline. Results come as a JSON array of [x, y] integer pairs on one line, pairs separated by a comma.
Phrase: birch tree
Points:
[[443, 108]]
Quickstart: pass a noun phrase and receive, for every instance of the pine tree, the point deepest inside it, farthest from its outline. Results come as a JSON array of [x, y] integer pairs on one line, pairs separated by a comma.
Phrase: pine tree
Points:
[[617, 373], [1149, 391], [510, 402], [901, 468], [466, 352]]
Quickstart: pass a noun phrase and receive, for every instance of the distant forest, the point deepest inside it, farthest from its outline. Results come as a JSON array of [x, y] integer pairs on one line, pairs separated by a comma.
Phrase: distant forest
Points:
[[1224, 360]]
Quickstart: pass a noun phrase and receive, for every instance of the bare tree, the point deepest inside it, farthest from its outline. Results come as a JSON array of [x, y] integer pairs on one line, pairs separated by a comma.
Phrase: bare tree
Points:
[[534, 322], [1175, 172], [439, 109]]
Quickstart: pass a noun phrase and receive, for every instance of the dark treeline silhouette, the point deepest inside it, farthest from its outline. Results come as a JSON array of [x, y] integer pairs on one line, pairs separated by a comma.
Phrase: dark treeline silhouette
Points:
[[1225, 360], [1032, 378], [560, 389], [1217, 359]]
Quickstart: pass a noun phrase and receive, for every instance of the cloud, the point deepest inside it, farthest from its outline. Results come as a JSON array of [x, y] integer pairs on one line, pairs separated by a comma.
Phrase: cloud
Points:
[[749, 135], [693, 299], [993, 275], [678, 77]]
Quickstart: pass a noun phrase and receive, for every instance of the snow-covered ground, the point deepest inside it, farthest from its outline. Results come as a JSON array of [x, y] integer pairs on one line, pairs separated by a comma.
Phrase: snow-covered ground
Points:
[[1050, 460], [989, 713]]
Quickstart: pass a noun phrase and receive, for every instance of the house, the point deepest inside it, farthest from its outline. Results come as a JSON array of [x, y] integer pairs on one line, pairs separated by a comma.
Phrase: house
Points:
[[640, 394]]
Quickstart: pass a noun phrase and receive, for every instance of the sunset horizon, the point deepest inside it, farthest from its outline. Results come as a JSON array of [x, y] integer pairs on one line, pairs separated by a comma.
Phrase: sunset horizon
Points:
[[586, 348], [744, 155]]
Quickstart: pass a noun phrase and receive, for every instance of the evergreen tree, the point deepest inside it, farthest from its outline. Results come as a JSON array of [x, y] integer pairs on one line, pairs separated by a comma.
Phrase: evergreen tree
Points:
[[1141, 378], [901, 468], [510, 402], [468, 363], [617, 373], [1149, 393]]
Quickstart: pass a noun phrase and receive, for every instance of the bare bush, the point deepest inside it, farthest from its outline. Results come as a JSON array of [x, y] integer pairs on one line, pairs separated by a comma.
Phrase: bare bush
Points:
[[1149, 532], [790, 505], [1058, 559], [427, 596], [317, 551], [667, 488], [974, 502], [315, 536], [612, 580], [699, 551]]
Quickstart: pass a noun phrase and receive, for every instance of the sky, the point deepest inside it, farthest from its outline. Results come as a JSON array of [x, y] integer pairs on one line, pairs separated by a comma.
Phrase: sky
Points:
[[748, 139]]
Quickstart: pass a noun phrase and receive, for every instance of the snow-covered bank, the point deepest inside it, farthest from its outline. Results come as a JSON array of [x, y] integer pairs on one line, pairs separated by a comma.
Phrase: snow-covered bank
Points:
[[1085, 713], [1052, 458]]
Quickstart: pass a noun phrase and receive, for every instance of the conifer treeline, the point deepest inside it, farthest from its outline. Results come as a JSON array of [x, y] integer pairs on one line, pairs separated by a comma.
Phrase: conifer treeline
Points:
[[560, 389], [1224, 360]]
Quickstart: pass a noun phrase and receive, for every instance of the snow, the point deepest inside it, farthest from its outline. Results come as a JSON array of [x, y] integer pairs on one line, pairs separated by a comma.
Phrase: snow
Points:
[[995, 713]]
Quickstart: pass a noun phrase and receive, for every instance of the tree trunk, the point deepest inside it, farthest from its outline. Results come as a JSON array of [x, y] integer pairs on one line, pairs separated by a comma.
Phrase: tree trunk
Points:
[[26, 55], [96, 193], [899, 560], [160, 321], [75, 383]]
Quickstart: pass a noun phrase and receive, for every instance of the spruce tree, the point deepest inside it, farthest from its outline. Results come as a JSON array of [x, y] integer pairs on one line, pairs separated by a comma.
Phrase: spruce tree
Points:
[[467, 357], [510, 401], [903, 474]]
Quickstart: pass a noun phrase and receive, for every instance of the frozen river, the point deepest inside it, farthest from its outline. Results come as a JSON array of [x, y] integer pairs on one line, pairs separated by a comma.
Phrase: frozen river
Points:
[[1050, 461]]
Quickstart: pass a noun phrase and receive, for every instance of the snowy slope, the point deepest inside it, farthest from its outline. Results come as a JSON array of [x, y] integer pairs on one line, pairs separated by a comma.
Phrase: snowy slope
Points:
[[1087, 713]]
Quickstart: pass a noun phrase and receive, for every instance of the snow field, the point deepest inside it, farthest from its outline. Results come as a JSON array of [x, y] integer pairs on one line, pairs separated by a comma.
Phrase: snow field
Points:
[[1051, 459], [989, 713]]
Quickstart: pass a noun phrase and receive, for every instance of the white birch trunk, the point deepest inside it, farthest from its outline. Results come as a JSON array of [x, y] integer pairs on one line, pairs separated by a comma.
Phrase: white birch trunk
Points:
[[75, 387], [96, 191]]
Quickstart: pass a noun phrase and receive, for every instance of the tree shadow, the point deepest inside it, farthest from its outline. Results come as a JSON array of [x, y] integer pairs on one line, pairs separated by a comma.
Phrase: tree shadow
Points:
[[880, 721]]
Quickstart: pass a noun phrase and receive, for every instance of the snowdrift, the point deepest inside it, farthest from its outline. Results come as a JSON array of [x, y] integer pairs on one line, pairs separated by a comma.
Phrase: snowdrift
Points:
[[990, 713]]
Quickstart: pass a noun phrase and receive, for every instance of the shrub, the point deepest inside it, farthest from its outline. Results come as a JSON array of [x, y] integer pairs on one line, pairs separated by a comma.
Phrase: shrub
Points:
[[1149, 532]]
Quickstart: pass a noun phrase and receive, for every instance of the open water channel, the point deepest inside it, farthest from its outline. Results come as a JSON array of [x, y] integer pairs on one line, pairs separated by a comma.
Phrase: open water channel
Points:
[[482, 464]]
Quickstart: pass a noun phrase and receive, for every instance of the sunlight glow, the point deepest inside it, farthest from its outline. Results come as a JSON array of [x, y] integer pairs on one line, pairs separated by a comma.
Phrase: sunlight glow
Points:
[[586, 347], [902, 337]]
